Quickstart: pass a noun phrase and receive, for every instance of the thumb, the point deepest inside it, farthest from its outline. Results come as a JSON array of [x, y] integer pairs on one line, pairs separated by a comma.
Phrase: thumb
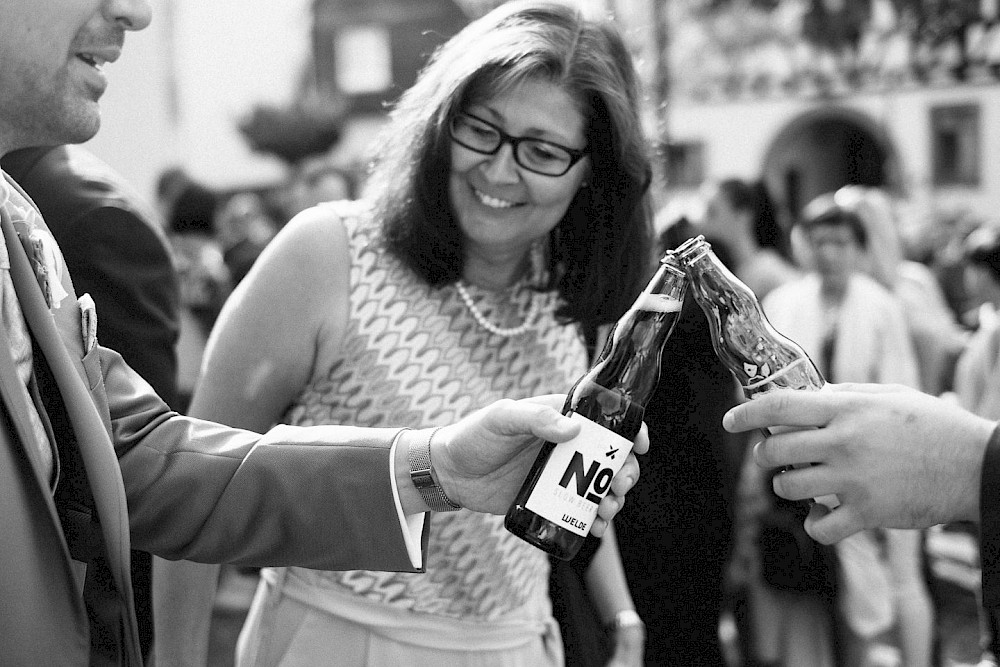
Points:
[[827, 526], [537, 417], [552, 425]]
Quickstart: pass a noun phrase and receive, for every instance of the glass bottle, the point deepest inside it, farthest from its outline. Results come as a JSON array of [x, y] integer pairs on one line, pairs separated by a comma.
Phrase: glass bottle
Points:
[[558, 501], [759, 357]]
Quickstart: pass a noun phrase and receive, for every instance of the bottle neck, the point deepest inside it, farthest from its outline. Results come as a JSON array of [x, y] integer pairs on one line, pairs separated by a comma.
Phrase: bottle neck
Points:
[[630, 362], [758, 356]]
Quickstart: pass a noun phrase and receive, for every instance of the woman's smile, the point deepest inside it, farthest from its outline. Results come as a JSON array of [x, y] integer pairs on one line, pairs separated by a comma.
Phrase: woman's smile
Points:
[[492, 202]]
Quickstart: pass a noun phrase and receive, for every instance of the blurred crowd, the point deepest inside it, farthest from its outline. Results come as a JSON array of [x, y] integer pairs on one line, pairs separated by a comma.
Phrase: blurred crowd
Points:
[[874, 291], [216, 236], [912, 296]]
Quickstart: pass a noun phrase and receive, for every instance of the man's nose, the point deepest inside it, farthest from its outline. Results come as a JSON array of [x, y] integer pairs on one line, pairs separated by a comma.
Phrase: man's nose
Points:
[[129, 14]]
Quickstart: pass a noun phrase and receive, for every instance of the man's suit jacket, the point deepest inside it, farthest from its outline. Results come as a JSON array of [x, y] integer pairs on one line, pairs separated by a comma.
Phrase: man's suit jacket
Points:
[[177, 487], [116, 252]]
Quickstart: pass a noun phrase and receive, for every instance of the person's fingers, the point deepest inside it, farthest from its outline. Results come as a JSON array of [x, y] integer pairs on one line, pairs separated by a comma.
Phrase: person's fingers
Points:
[[554, 401], [786, 407], [827, 526], [802, 483], [792, 448], [642, 440], [783, 407], [609, 506], [539, 415], [599, 527], [626, 477], [866, 388]]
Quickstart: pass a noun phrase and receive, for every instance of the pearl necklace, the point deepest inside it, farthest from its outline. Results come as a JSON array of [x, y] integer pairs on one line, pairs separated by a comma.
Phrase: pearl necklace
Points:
[[489, 326]]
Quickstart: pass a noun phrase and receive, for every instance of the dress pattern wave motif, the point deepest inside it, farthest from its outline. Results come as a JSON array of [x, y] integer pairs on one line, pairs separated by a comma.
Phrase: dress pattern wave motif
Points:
[[415, 355]]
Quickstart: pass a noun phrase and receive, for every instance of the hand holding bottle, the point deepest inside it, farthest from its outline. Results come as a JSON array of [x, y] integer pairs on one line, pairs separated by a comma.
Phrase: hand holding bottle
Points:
[[760, 358], [565, 489], [894, 457], [482, 460]]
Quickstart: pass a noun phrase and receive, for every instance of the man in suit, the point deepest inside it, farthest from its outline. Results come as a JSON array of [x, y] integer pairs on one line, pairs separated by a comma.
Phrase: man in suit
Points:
[[117, 252], [92, 461]]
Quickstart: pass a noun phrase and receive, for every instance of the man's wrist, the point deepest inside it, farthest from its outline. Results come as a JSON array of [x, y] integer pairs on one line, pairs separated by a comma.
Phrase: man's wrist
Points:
[[424, 476], [410, 497]]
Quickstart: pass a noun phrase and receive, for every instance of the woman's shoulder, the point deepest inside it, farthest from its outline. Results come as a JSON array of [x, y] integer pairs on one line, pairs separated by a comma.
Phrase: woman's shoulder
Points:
[[331, 218], [313, 248], [318, 230]]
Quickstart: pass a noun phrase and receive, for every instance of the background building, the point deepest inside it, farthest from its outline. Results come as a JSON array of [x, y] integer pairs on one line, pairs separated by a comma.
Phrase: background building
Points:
[[814, 94], [809, 94]]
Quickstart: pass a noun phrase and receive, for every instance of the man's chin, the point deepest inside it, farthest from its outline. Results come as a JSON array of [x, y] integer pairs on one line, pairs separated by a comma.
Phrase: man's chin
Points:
[[81, 128]]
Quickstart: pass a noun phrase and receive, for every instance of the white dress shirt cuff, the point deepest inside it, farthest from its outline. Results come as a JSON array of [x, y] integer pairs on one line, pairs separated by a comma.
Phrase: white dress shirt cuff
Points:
[[412, 526]]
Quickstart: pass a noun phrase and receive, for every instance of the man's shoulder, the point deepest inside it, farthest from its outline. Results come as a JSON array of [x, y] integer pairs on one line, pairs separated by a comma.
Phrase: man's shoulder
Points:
[[69, 182]]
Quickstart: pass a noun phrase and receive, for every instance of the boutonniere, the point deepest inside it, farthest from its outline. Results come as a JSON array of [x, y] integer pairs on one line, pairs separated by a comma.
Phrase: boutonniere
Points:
[[38, 243], [43, 254]]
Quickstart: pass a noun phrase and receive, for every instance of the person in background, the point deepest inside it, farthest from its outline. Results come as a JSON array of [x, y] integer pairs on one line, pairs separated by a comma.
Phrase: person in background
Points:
[[116, 251], [675, 536], [315, 180], [855, 331], [92, 462], [742, 217], [245, 228], [977, 373], [742, 222], [934, 331], [936, 335], [506, 208], [205, 280]]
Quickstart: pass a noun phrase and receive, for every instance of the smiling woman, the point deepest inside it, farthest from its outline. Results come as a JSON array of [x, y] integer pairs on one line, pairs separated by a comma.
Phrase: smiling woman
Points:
[[506, 214]]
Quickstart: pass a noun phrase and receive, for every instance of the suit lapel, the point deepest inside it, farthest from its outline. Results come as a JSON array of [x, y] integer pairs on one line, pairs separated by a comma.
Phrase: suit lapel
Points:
[[18, 406], [96, 450]]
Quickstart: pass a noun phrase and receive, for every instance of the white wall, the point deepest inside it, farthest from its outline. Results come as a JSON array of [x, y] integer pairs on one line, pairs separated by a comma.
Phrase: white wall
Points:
[[738, 134], [182, 84]]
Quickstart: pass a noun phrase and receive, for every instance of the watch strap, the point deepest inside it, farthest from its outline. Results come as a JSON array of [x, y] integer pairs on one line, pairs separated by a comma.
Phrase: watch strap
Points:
[[422, 475]]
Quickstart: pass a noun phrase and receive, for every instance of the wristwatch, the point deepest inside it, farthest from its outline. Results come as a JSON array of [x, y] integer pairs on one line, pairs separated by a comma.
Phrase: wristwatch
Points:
[[423, 477], [626, 618]]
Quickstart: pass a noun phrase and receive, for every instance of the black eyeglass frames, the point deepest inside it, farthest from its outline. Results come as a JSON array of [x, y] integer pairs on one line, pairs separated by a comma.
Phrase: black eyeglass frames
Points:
[[535, 155]]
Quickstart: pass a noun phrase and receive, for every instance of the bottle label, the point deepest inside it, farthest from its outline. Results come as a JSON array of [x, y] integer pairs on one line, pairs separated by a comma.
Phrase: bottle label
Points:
[[578, 475], [761, 376]]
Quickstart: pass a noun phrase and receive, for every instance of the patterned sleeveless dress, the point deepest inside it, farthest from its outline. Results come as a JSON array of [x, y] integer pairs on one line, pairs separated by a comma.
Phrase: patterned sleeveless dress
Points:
[[415, 355]]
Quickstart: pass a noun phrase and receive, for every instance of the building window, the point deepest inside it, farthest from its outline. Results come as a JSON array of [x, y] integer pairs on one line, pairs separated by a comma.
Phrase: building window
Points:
[[955, 145], [685, 163], [363, 59]]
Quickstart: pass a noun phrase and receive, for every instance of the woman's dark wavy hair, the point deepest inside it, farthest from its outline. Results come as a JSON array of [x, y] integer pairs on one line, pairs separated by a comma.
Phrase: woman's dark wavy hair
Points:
[[600, 251], [754, 198]]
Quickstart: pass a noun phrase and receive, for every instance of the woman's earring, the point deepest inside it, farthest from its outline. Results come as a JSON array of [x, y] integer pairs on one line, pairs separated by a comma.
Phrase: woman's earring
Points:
[[538, 254]]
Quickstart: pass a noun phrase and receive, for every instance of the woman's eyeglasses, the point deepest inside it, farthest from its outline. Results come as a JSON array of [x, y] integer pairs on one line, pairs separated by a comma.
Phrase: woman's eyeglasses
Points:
[[535, 155]]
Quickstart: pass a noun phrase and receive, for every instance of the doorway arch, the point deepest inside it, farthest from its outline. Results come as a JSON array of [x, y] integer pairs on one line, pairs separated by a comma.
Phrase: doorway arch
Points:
[[824, 149]]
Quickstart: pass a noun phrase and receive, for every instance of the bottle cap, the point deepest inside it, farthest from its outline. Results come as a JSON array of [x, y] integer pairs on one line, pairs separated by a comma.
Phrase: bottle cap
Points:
[[692, 249]]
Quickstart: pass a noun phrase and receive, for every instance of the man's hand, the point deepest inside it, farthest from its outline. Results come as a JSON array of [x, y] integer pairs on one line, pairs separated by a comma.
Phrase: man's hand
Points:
[[893, 456], [482, 460]]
